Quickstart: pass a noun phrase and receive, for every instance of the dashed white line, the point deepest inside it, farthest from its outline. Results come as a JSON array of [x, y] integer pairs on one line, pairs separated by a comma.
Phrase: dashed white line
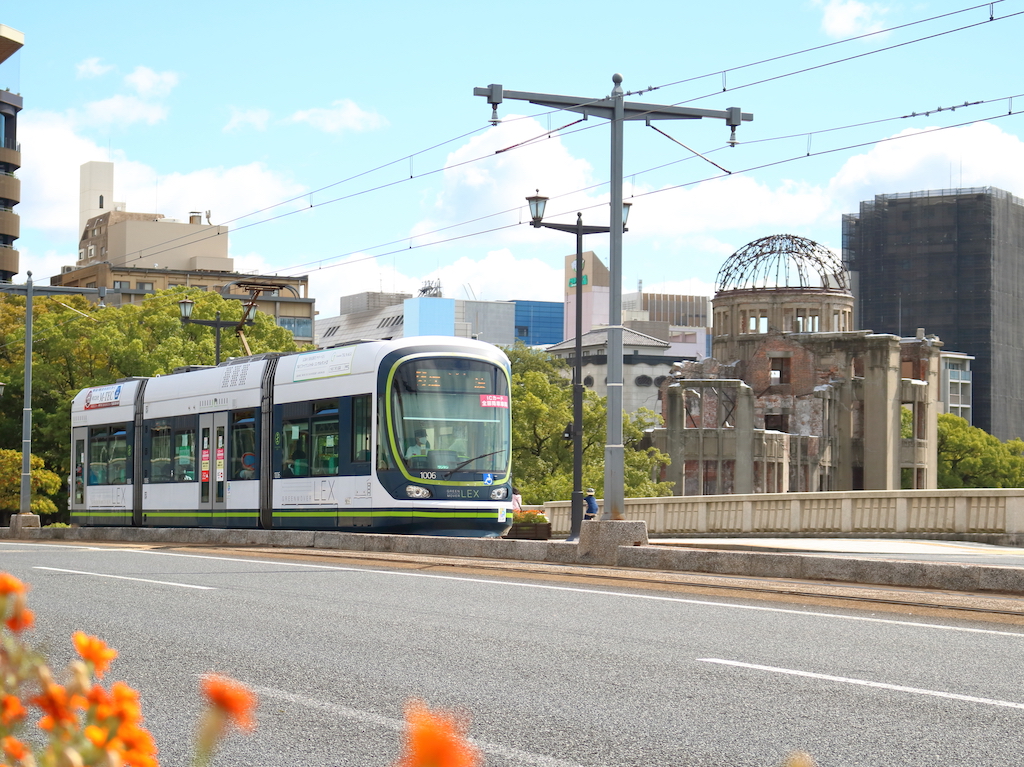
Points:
[[513, 755], [126, 578], [865, 683]]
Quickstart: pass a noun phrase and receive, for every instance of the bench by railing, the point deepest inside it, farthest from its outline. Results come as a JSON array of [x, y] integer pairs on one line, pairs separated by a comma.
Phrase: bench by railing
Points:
[[864, 511]]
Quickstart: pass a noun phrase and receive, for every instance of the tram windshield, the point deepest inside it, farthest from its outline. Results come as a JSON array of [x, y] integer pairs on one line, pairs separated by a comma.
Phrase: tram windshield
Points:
[[451, 415]]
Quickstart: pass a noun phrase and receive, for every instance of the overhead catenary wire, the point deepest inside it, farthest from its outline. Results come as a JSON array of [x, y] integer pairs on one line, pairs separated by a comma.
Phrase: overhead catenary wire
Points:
[[150, 252], [319, 263]]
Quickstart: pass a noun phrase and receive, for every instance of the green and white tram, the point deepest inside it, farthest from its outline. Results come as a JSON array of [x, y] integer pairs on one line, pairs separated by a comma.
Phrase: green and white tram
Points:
[[404, 436]]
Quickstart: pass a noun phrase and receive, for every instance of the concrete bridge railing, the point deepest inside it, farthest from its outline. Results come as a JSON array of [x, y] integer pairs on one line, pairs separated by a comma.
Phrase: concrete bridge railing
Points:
[[983, 511]]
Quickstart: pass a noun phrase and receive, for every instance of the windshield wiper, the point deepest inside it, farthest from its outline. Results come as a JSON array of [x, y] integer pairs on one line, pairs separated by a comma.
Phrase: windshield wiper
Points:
[[476, 458]]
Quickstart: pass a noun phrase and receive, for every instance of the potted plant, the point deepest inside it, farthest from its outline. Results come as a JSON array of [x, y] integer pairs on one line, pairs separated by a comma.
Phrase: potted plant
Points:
[[529, 525]]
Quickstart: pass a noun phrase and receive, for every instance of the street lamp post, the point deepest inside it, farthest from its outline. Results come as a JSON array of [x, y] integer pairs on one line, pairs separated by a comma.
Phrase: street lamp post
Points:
[[616, 109], [185, 307], [29, 290], [537, 204]]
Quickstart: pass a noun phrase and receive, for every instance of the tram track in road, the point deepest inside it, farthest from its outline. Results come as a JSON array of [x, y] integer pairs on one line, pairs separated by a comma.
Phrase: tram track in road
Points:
[[995, 608]]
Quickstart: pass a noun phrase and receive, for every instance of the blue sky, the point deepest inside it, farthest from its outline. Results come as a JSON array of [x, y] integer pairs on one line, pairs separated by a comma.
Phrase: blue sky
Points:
[[354, 129]]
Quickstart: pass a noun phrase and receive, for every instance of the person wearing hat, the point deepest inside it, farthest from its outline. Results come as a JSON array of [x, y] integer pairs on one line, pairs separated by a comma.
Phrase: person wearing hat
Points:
[[590, 512]]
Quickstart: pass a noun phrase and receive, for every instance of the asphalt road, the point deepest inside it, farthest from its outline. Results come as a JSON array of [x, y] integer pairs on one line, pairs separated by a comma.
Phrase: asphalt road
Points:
[[549, 672]]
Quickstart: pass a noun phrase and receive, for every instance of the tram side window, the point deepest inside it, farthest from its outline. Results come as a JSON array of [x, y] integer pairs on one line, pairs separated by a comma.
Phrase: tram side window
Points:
[[325, 438], [185, 449], [161, 451], [172, 449], [243, 445], [385, 458], [108, 455], [98, 455], [362, 425]]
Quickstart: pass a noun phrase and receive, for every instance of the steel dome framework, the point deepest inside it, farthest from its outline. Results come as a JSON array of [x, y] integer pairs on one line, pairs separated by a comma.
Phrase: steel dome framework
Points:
[[783, 261]]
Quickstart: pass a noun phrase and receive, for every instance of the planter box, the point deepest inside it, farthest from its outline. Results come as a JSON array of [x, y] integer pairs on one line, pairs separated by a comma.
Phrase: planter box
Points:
[[530, 531]]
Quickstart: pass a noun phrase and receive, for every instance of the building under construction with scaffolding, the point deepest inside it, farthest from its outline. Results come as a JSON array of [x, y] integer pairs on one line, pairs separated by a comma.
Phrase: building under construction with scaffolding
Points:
[[951, 261]]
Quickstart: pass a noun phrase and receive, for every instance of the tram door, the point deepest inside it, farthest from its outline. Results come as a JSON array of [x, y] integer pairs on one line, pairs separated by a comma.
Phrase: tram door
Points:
[[213, 445]]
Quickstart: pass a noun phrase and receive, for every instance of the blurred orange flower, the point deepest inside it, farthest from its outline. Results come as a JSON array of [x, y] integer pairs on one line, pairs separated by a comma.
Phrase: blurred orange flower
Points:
[[232, 698], [15, 749], [11, 585], [11, 710], [56, 704], [21, 617], [435, 739], [95, 651]]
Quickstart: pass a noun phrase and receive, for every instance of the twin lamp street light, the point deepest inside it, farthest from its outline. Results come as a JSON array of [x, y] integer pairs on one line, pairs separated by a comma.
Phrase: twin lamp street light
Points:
[[185, 307], [537, 205]]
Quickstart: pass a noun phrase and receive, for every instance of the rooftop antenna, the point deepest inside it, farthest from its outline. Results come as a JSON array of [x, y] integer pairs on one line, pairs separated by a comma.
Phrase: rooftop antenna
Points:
[[208, 219]]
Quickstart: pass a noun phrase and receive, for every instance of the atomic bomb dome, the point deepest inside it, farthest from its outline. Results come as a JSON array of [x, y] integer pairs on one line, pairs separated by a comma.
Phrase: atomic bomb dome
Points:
[[781, 283], [782, 261]]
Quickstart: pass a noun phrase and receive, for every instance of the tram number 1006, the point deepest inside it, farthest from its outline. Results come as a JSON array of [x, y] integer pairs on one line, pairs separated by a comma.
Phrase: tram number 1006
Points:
[[428, 475]]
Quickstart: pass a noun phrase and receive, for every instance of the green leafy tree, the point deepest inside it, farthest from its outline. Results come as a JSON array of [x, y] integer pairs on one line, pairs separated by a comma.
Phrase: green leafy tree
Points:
[[542, 459], [971, 457], [77, 345], [42, 483]]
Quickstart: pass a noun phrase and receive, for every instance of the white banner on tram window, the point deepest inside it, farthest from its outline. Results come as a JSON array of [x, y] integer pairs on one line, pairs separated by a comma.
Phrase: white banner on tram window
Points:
[[325, 364], [103, 396]]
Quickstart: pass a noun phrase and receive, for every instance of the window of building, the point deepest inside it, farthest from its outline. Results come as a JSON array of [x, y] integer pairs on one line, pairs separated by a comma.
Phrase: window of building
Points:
[[81, 253], [144, 285], [299, 326], [588, 381], [92, 251], [122, 285], [643, 380], [780, 371], [101, 202], [522, 331], [90, 284]]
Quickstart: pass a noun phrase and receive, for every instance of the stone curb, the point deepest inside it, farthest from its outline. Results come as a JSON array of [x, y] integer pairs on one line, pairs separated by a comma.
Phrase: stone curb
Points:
[[610, 543]]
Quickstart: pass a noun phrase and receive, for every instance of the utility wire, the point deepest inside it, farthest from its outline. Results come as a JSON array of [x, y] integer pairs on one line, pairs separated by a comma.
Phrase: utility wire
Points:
[[642, 194], [527, 142], [318, 262]]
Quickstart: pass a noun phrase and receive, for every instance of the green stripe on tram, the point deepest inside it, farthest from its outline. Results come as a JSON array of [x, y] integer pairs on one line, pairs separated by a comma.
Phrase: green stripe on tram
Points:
[[204, 514]]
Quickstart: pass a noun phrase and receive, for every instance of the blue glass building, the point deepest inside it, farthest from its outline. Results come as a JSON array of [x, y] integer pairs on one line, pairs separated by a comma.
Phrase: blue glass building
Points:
[[539, 322]]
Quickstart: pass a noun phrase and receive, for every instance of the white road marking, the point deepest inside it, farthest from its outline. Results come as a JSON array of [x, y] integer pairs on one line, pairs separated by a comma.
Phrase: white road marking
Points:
[[126, 578], [513, 755], [865, 683], [597, 592]]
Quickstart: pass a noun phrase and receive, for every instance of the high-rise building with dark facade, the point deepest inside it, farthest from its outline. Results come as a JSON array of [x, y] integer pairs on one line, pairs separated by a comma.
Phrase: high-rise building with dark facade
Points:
[[951, 262], [11, 41]]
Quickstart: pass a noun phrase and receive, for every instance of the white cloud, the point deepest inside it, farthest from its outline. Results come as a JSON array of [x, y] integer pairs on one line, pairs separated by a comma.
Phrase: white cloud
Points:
[[851, 17], [344, 115], [89, 68], [732, 203], [149, 83], [848, 18], [688, 287], [120, 111], [500, 276], [254, 118], [972, 156], [54, 151], [503, 181]]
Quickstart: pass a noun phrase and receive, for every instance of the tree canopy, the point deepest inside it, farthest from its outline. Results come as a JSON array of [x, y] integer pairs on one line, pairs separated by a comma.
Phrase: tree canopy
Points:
[[971, 457], [542, 459]]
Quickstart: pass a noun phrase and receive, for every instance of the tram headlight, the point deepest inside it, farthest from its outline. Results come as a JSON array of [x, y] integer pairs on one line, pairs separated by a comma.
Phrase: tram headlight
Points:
[[415, 491], [499, 494]]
